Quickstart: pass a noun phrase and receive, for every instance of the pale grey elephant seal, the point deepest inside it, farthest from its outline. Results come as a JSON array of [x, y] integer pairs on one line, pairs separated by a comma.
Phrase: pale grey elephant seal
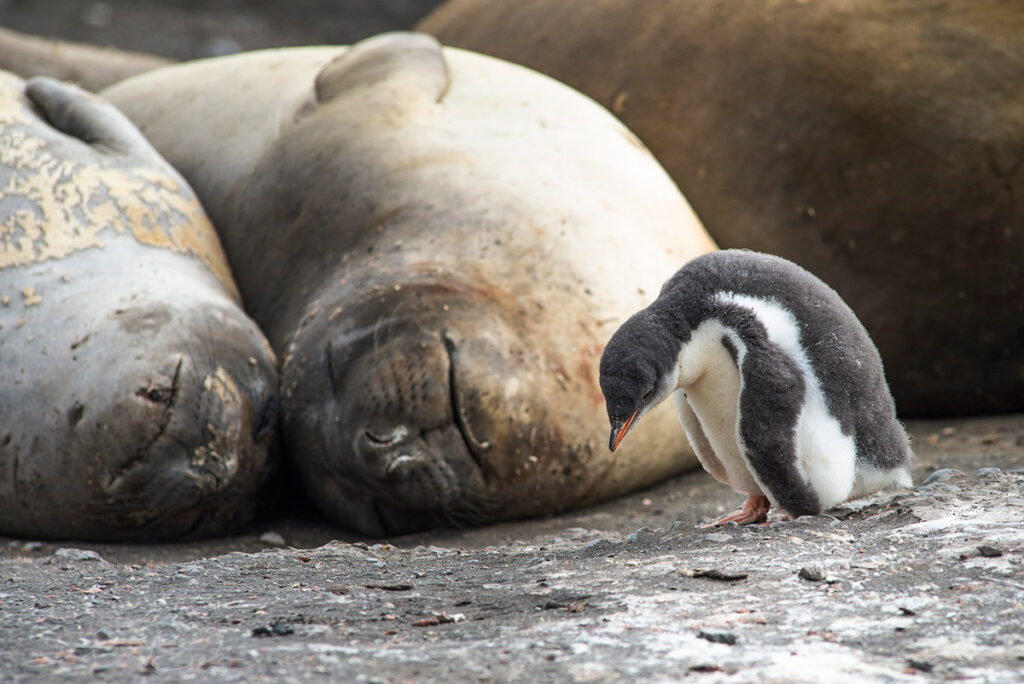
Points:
[[775, 381], [437, 244], [137, 400], [876, 143]]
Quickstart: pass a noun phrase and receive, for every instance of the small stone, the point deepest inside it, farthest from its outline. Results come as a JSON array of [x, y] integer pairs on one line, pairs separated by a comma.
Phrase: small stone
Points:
[[395, 586], [920, 665], [640, 534], [717, 637], [811, 574], [275, 629], [983, 472], [724, 575], [990, 551], [941, 476], [600, 542], [77, 554], [281, 628], [103, 635], [718, 537], [272, 538]]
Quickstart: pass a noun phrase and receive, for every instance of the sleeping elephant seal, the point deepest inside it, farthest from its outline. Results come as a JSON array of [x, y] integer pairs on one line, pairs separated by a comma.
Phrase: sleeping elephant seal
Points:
[[878, 144], [137, 399], [437, 244]]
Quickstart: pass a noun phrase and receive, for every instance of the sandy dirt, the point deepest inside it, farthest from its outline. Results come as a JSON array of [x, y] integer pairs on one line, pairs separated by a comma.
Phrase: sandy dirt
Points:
[[907, 585]]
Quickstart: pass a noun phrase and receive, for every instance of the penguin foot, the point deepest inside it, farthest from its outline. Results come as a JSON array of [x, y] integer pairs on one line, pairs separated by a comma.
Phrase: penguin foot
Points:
[[755, 510]]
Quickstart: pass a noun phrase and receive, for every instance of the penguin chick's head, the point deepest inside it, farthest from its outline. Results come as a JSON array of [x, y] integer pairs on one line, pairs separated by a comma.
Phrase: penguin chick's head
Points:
[[638, 371]]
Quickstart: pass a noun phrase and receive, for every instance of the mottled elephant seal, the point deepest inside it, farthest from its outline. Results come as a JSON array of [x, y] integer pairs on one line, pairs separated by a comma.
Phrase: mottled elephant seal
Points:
[[878, 144], [137, 400], [437, 244]]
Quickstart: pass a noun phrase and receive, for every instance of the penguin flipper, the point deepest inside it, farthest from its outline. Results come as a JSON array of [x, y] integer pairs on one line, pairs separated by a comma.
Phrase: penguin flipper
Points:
[[698, 440], [772, 396]]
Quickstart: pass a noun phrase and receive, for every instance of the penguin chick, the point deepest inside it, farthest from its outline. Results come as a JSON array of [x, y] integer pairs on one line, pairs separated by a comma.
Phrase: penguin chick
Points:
[[777, 384]]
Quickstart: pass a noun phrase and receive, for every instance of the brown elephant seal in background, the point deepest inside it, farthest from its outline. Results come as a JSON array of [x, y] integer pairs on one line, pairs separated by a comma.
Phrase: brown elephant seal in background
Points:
[[90, 66], [438, 245], [137, 400], [878, 144]]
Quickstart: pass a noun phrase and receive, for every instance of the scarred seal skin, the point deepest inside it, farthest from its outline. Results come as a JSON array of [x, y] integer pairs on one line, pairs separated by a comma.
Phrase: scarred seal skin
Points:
[[437, 244], [137, 399], [876, 143]]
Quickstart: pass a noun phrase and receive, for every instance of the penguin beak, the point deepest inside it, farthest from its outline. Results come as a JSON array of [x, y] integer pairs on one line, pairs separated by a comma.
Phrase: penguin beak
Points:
[[619, 432]]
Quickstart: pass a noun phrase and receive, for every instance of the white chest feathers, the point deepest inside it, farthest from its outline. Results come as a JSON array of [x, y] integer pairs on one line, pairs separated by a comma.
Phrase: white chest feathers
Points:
[[710, 384]]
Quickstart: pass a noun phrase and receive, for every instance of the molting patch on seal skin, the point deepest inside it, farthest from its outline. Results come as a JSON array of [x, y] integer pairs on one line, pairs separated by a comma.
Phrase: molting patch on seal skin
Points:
[[45, 189], [138, 397], [437, 244]]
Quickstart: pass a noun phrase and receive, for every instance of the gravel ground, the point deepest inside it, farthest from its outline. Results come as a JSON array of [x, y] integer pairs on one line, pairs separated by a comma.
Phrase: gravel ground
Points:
[[909, 585]]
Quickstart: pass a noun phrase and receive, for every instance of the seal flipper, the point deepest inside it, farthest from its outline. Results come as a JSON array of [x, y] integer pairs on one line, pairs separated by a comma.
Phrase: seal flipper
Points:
[[89, 118], [412, 58], [770, 404]]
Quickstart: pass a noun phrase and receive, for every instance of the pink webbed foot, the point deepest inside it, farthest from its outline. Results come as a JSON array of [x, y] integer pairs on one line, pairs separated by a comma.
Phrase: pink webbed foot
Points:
[[755, 510]]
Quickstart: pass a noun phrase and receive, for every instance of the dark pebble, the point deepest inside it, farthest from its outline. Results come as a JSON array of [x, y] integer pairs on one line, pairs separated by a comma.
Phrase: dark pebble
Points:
[[811, 574], [724, 575], [103, 635], [640, 534], [718, 637], [401, 586], [276, 628], [920, 665], [990, 551], [941, 476]]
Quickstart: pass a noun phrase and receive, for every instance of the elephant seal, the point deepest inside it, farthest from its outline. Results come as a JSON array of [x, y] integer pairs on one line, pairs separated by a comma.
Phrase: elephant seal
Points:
[[437, 244], [138, 399], [89, 66], [877, 144]]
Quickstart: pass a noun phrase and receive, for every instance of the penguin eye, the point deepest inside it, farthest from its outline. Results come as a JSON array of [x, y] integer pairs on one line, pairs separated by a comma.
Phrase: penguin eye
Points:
[[648, 394]]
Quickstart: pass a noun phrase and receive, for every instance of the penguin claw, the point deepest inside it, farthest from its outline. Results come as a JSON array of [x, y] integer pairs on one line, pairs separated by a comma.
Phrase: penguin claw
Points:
[[755, 510]]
